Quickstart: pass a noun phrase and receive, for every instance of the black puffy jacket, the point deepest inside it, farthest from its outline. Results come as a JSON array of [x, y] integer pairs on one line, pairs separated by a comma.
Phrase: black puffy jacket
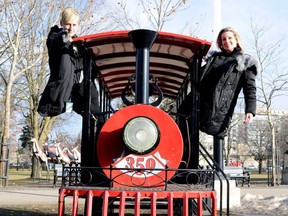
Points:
[[222, 79]]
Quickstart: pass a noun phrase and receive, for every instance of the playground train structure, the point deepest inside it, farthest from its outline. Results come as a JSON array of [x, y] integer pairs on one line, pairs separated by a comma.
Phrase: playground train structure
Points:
[[145, 155]]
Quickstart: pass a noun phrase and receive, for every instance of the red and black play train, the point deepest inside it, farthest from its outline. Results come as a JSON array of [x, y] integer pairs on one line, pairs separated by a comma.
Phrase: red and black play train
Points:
[[146, 143]]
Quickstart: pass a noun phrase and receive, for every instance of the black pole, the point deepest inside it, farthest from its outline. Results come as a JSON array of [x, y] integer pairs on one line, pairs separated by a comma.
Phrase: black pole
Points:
[[142, 40], [195, 108], [218, 145], [88, 123]]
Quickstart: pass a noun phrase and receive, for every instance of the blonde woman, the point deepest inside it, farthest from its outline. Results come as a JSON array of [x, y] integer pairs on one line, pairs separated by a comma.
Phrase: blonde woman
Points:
[[64, 87], [63, 64]]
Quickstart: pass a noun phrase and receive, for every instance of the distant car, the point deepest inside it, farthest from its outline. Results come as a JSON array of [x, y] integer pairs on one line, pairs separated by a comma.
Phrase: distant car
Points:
[[13, 164], [264, 169], [25, 164], [250, 168]]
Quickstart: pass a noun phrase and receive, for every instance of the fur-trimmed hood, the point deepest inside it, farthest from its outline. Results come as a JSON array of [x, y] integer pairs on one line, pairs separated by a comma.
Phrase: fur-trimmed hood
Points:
[[245, 61]]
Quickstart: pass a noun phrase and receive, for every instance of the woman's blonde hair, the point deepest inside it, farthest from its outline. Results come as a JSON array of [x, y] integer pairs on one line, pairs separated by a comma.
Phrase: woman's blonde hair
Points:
[[68, 13], [236, 35]]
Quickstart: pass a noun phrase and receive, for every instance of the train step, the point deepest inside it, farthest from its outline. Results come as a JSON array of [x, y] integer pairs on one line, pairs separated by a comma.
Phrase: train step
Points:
[[139, 202]]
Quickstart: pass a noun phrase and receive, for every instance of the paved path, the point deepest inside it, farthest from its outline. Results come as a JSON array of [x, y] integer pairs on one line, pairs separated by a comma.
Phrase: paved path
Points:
[[25, 195]]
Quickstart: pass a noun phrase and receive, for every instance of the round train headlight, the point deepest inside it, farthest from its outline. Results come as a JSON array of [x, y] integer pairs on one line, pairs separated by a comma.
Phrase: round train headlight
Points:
[[141, 135]]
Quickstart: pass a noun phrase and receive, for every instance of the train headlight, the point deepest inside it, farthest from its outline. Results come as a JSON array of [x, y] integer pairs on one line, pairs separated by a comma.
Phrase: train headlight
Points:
[[141, 135]]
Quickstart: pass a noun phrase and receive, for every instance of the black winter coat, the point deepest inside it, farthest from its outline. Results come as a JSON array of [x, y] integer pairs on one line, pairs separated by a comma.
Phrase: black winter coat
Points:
[[222, 79]]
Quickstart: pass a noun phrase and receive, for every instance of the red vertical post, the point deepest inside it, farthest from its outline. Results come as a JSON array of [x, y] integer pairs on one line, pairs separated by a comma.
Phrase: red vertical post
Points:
[[153, 204], [89, 203], [185, 205], [122, 203], [75, 203], [137, 204], [170, 204], [214, 203], [105, 205], [200, 204], [61, 202]]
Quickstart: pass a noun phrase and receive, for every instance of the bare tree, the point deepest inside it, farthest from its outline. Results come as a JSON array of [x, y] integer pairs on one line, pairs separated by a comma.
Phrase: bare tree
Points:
[[273, 79], [24, 69], [231, 135], [160, 12], [282, 139], [260, 141], [15, 20], [37, 78], [156, 13]]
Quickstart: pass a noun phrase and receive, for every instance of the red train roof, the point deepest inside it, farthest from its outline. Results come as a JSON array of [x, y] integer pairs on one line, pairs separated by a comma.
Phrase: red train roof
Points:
[[114, 55]]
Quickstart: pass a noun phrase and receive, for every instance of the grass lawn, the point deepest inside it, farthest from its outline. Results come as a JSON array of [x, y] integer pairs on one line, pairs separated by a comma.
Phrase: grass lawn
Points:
[[22, 176], [255, 175], [18, 175]]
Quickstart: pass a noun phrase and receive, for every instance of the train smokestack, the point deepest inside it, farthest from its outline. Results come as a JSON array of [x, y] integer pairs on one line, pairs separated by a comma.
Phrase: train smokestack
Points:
[[142, 40]]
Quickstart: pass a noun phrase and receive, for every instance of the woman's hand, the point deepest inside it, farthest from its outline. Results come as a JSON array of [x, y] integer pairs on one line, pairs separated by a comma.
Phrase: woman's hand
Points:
[[248, 118]]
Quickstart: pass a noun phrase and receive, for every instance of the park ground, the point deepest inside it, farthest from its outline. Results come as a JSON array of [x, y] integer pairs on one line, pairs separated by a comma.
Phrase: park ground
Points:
[[24, 196]]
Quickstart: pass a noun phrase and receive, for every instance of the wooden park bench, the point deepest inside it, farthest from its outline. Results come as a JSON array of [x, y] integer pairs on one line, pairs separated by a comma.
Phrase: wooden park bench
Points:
[[238, 174]]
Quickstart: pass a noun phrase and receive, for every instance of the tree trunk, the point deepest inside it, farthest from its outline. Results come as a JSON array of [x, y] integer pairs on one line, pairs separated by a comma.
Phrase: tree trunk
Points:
[[6, 134]]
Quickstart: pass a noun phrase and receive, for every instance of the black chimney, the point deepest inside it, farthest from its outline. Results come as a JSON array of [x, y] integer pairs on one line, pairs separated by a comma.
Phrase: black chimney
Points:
[[142, 40]]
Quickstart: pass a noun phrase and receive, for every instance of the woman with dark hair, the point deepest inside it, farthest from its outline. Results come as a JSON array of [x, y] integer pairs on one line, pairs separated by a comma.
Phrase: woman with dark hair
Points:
[[224, 75]]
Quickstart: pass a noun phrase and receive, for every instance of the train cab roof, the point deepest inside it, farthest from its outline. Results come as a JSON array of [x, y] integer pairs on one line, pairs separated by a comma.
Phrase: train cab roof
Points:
[[171, 56]]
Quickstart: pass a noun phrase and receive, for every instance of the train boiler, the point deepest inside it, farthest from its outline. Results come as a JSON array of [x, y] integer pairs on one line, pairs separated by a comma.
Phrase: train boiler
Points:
[[143, 150]]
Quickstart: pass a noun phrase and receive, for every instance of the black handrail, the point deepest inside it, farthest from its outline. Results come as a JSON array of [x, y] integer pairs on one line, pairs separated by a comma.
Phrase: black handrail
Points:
[[216, 167]]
